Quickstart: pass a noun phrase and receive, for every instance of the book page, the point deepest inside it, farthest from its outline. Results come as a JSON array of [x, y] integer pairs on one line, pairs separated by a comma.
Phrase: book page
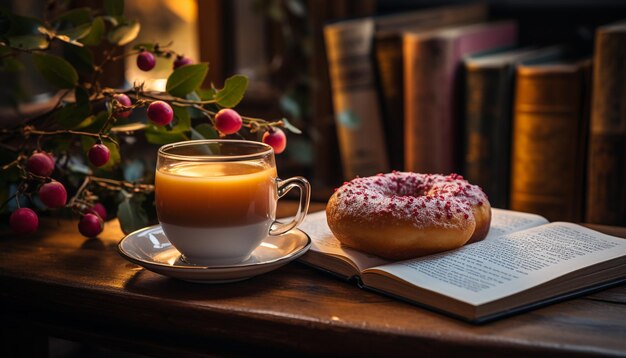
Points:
[[500, 267], [507, 221], [324, 241]]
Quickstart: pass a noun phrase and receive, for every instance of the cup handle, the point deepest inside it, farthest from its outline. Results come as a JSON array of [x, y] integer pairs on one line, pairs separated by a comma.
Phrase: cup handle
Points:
[[303, 207]]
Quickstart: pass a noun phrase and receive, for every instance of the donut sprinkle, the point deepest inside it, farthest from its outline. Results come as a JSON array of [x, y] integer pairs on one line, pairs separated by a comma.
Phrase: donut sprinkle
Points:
[[419, 199]]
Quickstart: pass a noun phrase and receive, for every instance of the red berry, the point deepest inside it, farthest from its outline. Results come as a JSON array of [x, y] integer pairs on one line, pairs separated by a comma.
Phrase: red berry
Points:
[[182, 61], [24, 221], [53, 195], [228, 121], [146, 61], [124, 101], [99, 155], [276, 139], [90, 225], [160, 113], [99, 210], [40, 164]]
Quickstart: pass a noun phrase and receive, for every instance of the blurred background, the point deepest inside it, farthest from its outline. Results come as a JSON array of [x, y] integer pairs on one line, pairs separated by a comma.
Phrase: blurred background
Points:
[[279, 45]]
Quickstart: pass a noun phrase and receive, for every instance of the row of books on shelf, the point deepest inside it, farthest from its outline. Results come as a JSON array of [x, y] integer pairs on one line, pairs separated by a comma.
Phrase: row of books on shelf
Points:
[[541, 129]]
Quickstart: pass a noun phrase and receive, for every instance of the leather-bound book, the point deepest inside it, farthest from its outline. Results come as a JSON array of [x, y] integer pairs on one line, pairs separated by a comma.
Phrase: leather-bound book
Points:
[[432, 61], [550, 127], [355, 101], [364, 138], [388, 52], [606, 189], [489, 83]]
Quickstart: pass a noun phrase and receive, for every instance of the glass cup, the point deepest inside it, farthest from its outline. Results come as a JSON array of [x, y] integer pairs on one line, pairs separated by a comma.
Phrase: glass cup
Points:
[[216, 199]]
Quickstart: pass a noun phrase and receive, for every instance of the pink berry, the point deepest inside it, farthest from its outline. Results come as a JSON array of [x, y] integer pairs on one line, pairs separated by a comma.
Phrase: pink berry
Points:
[[53, 195], [24, 221], [228, 121], [276, 139], [40, 164], [124, 101], [99, 210], [146, 61], [182, 61], [160, 113], [99, 155], [90, 225]]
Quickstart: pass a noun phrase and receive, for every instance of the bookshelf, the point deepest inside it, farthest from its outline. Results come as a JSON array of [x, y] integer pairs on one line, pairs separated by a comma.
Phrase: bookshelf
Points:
[[540, 23]]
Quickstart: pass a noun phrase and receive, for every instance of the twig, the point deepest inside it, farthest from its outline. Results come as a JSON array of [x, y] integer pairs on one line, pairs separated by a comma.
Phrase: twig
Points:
[[29, 130], [123, 184]]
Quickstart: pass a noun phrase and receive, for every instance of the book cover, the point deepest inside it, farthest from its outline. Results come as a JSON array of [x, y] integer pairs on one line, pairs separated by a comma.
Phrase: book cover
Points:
[[363, 136], [431, 90], [388, 52], [489, 85], [355, 102], [606, 192], [550, 127]]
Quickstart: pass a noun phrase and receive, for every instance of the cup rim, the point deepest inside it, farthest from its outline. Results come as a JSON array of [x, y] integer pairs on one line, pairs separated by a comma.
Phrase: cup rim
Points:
[[214, 158]]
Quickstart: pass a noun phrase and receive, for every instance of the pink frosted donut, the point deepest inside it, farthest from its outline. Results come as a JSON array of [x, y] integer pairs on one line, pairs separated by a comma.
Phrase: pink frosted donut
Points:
[[402, 215]]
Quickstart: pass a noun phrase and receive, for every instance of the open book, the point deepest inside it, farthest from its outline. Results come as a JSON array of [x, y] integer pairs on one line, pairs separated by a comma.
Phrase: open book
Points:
[[524, 262]]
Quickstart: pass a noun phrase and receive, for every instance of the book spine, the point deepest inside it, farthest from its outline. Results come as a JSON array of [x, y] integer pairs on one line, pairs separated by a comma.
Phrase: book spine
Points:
[[355, 99], [388, 50], [433, 98], [487, 139], [606, 189], [549, 128], [426, 145]]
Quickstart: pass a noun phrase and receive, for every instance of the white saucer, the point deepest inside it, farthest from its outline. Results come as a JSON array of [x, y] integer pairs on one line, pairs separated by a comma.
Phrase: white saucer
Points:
[[150, 248]]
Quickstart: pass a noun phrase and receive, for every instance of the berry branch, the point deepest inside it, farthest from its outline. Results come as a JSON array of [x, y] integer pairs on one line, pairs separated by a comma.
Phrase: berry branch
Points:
[[92, 115], [28, 130]]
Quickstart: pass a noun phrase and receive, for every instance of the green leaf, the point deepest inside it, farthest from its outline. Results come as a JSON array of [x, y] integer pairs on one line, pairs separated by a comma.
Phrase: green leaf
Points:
[[290, 127], [194, 112], [183, 120], [186, 79], [55, 70], [75, 16], [204, 131], [131, 214], [29, 42], [72, 116], [86, 122], [123, 34], [94, 37], [114, 7], [23, 25], [206, 94], [113, 20], [114, 159], [93, 125], [79, 57], [160, 135], [75, 33], [233, 91]]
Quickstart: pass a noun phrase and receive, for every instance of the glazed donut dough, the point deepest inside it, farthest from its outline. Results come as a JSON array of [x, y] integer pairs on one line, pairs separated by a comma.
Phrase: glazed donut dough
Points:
[[402, 215]]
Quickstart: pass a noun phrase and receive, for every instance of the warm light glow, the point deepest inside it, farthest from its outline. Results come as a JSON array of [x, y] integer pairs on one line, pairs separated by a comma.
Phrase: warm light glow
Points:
[[163, 21], [187, 10]]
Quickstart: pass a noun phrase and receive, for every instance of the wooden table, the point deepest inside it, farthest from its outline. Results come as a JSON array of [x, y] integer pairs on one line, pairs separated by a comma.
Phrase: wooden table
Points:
[[60, 284]]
